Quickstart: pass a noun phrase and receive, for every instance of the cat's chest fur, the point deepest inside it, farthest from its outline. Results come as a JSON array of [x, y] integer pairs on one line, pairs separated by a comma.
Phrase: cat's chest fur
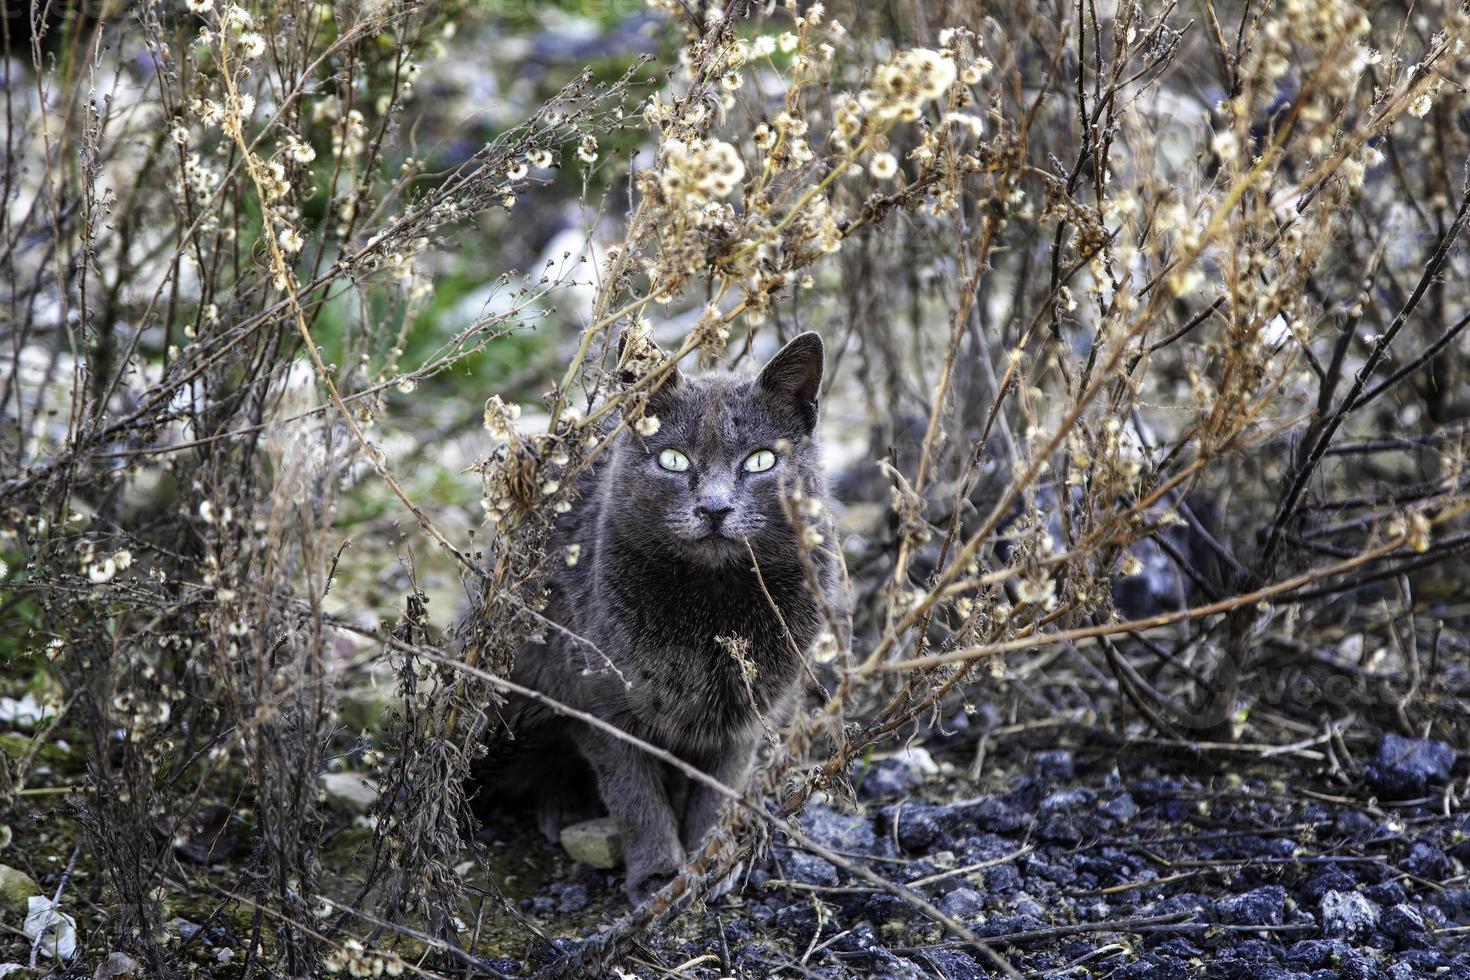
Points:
[[696, 655]]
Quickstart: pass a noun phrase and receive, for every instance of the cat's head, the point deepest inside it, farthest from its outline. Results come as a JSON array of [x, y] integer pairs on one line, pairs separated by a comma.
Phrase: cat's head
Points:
[[728, 451]]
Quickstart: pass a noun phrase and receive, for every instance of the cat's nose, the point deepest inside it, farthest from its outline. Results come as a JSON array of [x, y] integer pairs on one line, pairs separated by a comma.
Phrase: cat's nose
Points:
[[713, 514]]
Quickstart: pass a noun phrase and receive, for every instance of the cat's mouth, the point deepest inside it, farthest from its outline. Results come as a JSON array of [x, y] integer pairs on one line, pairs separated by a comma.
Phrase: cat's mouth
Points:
[[715, 547], [717, 539]]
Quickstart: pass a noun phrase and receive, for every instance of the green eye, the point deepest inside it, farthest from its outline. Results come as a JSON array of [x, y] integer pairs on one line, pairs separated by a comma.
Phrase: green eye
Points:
[[760, 461], [673, 461]]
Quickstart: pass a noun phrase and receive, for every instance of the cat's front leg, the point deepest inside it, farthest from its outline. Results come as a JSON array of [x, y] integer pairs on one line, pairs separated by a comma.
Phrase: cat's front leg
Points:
[[631, 787], [701, 813], [731, 768]]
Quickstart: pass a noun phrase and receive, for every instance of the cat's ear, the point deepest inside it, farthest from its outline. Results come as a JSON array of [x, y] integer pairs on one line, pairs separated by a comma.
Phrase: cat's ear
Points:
[[643, 356], [796, 373]]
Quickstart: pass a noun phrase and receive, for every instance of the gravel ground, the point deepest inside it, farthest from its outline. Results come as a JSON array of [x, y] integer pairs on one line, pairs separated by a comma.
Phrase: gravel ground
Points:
[[1104, 859]]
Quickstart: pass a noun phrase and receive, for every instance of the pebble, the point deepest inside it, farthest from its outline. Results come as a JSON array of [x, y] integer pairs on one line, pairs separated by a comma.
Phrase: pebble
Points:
[[1427, 861], [1348, 915], [349, 792], [1120, 809], [1386, 893], [808, 868], [16, 887], [595, 842], [1404, 923], [994, 815], [571, 898], [962, 903], [1315, 953], [952, 964], [1405, 767], [117, 966], [840, 831], [1068, 799], [1264, 906], [1055, 765]]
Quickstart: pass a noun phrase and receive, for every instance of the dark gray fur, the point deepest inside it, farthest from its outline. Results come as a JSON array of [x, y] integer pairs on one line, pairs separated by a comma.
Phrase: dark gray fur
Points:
[[652, 589]]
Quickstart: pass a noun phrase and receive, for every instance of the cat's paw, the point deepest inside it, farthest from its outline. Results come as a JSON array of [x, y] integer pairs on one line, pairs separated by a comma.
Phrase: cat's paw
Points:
[[649, 869], [642, 892], [726, 884]]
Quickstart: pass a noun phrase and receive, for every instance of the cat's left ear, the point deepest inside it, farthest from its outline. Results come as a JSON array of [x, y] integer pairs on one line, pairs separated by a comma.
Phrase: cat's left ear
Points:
[[796, 373]]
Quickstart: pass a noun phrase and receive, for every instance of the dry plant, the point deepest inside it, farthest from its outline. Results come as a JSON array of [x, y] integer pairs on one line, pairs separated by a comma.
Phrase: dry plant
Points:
[[1110, 284]]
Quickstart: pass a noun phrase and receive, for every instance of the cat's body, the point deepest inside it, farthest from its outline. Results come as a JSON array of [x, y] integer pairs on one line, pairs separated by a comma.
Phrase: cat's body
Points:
[[676, 642]]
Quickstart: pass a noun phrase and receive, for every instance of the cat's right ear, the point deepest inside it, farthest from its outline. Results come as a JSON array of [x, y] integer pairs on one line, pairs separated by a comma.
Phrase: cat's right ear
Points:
[[795, 373], [632, 367]]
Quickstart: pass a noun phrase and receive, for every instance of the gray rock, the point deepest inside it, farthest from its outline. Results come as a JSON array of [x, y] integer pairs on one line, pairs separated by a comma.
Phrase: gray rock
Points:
[[839, 831], [1348, 915], [1264, 906], [1067, 799], [1121, 808], [1427, 861], [1055, 765], [15, 888], [808, 868], [962, 903], [595, 842], [1406, 766], [996, 816], [1404, 923], [349, 792], [116, 967], [571, 898]]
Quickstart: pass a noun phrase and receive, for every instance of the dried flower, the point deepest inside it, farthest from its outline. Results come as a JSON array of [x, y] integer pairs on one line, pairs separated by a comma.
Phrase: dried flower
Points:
[[884, 166], [290, 241], [500, 418]]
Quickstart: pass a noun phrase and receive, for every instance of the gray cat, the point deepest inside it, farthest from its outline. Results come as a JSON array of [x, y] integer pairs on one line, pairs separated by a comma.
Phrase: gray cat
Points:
[[662, 591]]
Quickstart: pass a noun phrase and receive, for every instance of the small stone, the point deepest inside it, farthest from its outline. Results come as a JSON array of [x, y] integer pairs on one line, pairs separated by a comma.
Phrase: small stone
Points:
[[1055, 765], [808, 868], [919, 828], [1352, 823], [595, 842], [1405, 767], [1067, 799], [349, 791], [571, 898], [840, 831], [1264, 906], [1348, 915], [15, 888], [1404, 923], [1120, 809], [1427, 861], [1316, 954], [952, 964], [962, 903], [884, 963], [1387, 893], [115, 967], [1330, 878], [885, 779], [993, 815]]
